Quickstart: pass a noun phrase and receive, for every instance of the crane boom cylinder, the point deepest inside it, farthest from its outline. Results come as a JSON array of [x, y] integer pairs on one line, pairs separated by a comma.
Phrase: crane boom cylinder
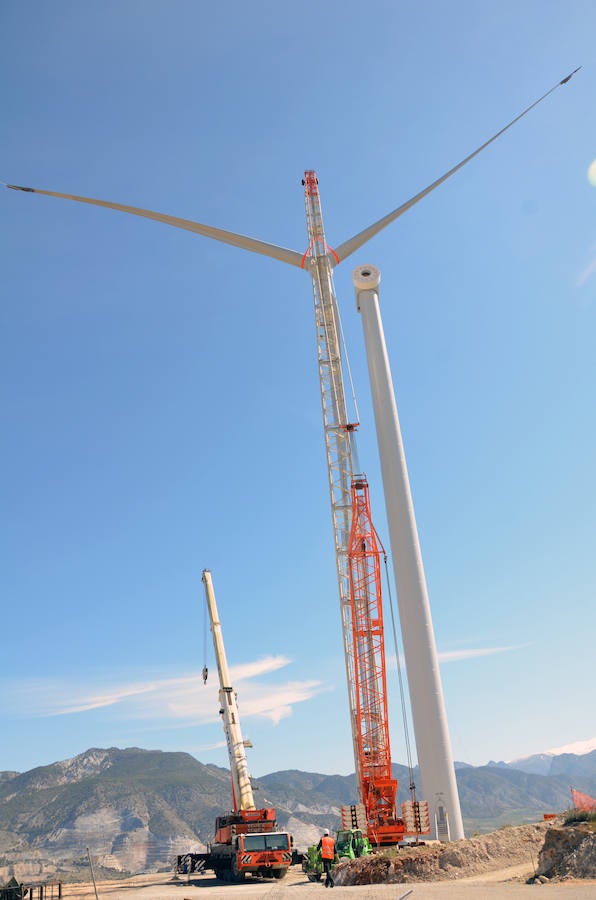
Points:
[[242, 795]]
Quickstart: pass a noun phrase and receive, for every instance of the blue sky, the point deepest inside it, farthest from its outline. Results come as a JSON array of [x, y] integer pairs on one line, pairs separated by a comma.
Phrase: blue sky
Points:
[[159, 390]]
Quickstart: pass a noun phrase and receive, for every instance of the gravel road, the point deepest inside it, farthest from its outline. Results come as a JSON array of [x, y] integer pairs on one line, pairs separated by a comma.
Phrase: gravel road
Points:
[[491, 886]]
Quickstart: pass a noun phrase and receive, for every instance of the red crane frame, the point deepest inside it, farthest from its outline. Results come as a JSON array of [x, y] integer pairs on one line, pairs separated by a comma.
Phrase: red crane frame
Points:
[[378, 787]]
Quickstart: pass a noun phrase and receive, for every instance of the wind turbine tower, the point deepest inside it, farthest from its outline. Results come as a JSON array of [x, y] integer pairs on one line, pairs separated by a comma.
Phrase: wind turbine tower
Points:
[[433, 744]]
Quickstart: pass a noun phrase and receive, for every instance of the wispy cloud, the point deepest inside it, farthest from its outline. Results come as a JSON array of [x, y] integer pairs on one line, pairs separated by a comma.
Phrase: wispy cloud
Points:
[[184, 700], [473, 653], [205, 748], [181, 699], [449, 656]]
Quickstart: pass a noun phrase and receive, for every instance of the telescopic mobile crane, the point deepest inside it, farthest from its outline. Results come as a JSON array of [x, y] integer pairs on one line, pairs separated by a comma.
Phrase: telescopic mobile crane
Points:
[[246, 838]]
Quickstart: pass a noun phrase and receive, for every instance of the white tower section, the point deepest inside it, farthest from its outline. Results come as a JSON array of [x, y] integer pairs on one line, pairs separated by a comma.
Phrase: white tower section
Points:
[[242, 795], [433, 745]]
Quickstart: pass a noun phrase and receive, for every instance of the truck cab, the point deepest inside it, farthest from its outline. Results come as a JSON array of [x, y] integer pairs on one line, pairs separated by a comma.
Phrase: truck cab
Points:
[[265, 854]]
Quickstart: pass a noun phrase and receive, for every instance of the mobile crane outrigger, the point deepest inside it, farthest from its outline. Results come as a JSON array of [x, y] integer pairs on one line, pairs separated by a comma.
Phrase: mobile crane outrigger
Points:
[[246, 840]]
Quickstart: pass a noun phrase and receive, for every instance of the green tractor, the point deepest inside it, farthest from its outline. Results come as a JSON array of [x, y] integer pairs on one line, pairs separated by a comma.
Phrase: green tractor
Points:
[[352, 844], [312, 864], [349, 844]]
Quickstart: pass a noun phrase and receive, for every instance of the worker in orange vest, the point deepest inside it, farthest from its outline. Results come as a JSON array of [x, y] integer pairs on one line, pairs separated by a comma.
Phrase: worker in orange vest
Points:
[[327, 847]]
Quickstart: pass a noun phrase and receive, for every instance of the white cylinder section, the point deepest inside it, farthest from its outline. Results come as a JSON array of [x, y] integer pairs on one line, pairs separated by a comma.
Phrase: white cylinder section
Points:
[[242, 794], [433, 744]]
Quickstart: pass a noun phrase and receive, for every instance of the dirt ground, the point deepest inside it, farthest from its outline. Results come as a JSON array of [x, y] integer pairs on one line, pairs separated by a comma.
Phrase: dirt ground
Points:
[[494, 866], [503, 884]]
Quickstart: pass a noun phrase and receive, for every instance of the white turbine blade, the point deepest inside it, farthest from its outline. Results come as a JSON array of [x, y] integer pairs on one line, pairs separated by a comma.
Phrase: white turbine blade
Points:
[[348, 247], [217, 234]]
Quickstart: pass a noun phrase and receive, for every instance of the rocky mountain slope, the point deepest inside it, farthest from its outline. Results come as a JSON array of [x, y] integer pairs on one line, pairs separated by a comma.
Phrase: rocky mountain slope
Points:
[[134, 810], [570, 764]]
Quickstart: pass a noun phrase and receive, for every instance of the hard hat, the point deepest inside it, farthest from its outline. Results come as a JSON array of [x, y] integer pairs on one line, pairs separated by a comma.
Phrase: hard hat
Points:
[[326, 831]]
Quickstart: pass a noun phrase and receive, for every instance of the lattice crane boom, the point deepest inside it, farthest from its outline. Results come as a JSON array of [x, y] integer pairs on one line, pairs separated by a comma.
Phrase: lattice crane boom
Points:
[[359, 593], [337, 428], [377, 786]]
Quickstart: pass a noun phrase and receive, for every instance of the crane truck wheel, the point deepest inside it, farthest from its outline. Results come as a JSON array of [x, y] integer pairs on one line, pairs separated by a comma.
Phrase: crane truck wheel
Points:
[[279, 873], [235, 876]]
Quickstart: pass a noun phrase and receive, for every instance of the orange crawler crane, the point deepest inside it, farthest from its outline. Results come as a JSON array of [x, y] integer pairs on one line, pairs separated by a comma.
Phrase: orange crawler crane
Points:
[[358, 564], [377, 787]]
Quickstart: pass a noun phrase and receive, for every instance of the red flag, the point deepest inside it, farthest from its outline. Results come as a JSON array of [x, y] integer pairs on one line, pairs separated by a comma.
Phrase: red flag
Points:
[[583, 801]]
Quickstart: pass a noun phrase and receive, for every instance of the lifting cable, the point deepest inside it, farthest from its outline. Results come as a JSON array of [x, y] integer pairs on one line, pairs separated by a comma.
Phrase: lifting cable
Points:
[[401, 687], [205, 671], [346, 360]]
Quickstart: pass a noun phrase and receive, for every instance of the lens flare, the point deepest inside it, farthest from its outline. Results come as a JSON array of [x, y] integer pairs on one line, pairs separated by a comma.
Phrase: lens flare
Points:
[[592, 173]]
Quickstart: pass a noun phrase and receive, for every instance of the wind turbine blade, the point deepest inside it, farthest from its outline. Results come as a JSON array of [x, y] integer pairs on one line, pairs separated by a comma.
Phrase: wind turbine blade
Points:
[[348, 247], [217, 234]]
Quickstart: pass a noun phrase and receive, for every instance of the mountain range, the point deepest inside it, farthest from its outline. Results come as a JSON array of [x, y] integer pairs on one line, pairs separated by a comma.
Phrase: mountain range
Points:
[[134, 810]]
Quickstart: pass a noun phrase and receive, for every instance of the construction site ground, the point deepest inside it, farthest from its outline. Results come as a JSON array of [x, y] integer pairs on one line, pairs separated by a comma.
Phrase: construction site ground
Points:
[[496, 866], [505, 884]]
